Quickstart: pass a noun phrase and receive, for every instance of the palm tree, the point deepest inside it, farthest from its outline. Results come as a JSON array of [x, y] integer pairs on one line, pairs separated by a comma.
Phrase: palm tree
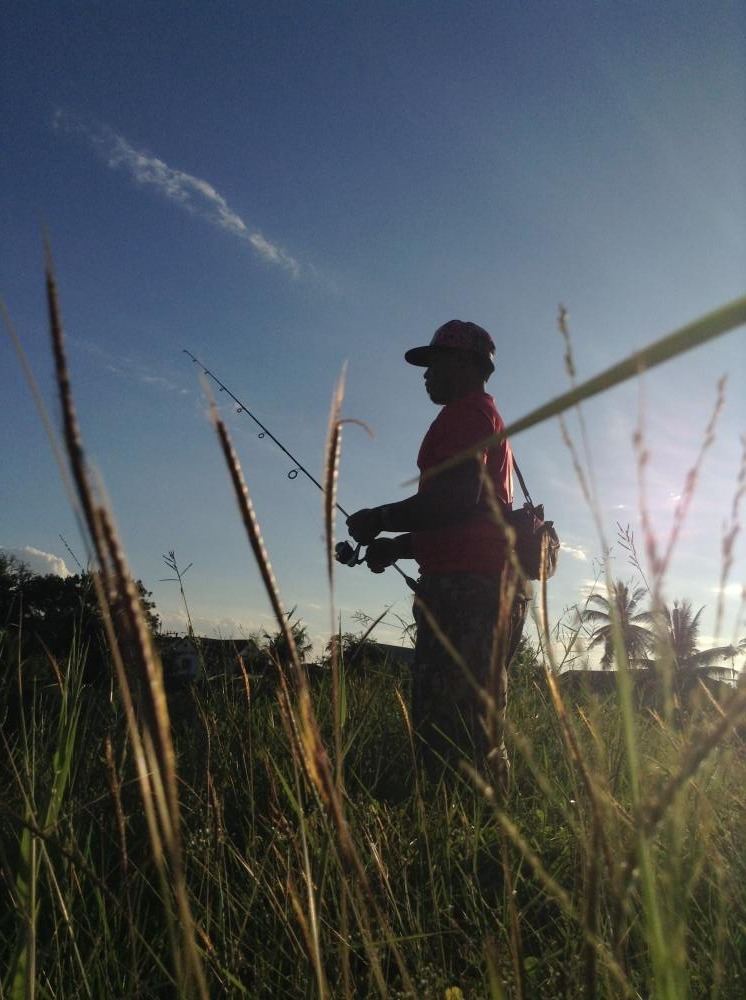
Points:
[[681, 635], [621, 608]]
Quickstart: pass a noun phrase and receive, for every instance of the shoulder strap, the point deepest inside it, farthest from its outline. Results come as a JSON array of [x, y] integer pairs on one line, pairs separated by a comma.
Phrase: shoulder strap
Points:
[[522, 481]]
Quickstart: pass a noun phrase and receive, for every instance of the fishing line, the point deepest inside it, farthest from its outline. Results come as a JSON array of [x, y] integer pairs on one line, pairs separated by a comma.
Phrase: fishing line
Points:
[[344, 551], [264, 431]]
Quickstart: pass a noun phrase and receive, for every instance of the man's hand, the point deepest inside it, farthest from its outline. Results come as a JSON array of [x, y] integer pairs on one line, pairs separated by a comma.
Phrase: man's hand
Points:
[[365, 524], [382, 552]]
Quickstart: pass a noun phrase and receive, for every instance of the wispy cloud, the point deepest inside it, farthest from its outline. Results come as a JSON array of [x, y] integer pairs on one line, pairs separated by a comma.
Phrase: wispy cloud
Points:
[[714, 641], [575, 552], [222, 627], [194, 195], [38, 561], [589, 586], [731, 590], [127, 368]]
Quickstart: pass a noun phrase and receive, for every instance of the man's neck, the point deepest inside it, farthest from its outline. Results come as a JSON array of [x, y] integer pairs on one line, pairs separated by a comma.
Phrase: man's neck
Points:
[[466, 389]]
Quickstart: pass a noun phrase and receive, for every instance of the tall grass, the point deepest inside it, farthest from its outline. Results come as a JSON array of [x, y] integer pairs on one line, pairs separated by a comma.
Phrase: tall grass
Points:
[[244, 840]]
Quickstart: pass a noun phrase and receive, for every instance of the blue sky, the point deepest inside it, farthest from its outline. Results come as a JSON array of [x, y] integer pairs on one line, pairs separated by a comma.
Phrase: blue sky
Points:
[[287, 188]]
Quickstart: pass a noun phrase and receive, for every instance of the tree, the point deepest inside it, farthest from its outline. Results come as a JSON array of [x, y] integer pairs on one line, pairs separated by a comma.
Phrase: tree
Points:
[[277, 645], [620, 608], [354, 648], [681, 636], [152, 617], [50, 612], [14, 576]]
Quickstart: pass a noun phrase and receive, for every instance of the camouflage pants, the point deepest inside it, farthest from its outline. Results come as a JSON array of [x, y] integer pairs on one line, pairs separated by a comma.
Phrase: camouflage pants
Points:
[[468, 628]]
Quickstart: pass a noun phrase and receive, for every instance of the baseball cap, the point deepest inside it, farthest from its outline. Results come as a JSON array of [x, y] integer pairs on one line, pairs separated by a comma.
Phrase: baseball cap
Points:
[[455, 335]]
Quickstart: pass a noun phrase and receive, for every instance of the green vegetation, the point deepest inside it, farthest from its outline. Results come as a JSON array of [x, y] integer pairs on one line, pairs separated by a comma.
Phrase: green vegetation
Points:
[[545, 898], [621, 606], [673, 637], [47, 615], [224, 840]]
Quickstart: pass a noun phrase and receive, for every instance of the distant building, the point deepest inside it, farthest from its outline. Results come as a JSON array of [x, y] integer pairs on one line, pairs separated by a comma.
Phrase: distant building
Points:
[[184, 658], [646, 683], [403, 655], [180, 658], [722, 675]]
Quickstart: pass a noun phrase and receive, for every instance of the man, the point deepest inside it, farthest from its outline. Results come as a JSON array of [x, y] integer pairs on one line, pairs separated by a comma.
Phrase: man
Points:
[[469, 608]]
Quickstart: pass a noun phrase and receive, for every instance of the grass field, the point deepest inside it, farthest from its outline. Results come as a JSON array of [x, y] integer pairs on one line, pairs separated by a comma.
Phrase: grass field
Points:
[[570, 889], [230, 840]]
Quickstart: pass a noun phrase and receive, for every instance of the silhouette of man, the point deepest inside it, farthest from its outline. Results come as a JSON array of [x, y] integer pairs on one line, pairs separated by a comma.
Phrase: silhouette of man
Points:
[[469, 608]]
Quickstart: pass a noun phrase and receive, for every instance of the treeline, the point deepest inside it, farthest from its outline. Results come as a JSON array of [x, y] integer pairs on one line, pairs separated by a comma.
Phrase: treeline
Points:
[[46, 614], [650, 635]]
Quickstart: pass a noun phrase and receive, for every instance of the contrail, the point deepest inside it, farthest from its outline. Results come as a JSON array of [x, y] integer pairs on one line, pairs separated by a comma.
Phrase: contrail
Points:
[[194, 195]]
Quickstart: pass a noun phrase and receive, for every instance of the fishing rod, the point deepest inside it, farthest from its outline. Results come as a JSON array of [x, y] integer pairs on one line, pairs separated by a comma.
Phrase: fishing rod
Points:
[[343, 551]]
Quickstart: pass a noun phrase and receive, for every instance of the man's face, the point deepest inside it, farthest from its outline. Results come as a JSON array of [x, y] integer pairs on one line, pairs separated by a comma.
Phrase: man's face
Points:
[[441, 377]]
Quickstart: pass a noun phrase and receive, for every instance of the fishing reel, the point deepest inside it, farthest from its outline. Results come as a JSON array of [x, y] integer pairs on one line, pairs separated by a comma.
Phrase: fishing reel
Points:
[[345, 554]]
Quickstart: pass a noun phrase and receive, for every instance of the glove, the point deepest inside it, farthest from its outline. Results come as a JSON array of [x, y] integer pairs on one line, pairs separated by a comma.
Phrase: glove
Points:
[[365, 524], [382, 552]]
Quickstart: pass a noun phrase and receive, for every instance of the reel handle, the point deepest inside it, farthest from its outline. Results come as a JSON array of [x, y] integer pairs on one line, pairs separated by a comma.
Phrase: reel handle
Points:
[[345, 554]]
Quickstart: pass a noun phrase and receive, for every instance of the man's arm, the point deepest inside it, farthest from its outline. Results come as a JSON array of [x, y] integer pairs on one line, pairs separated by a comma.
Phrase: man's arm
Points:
[[449, 498], [383, 552]]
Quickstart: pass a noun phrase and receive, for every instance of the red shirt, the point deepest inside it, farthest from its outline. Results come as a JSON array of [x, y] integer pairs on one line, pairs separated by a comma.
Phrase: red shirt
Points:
[[475, 545]]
